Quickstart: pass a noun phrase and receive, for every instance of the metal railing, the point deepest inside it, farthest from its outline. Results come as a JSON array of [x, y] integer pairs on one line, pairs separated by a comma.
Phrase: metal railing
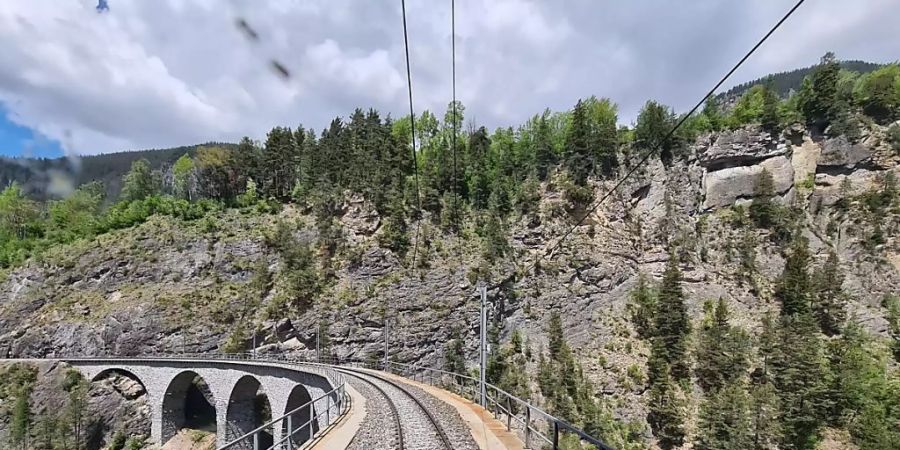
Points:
[[286, 422], [532, 424]]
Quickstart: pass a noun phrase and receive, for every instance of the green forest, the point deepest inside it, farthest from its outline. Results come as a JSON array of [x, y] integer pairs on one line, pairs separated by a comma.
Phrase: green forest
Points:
[[459, 174], [810, 369]]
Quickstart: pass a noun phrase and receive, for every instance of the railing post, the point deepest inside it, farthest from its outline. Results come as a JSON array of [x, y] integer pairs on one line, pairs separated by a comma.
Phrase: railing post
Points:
[[555, 435], [327, 410], [311, 420], [527, 426], [290, 431], [508, 415], [255, 441]]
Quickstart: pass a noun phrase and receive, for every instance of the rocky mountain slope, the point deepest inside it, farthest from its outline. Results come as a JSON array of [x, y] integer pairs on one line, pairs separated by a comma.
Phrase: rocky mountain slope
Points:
[[169, 285]]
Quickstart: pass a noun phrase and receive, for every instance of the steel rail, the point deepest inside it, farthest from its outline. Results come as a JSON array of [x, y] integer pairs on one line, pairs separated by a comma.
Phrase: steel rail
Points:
[[391, 405], [442, 435]]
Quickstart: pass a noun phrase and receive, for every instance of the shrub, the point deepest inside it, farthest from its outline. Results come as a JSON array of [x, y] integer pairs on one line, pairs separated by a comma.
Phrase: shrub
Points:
[[894, 137]]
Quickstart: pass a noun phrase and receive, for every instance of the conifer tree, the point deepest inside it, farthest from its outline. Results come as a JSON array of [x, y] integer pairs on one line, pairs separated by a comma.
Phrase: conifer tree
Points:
[[248, 156], [667, 411], [723, 352], [829, 299], [769, 119], [579, 161], [603, 139], [479, 178], [21, 419], [544, 155], [725, 420], [278, 165], [794, 287], [713, 113], [643, 307], [800, 376], [819, 108], [764, 411], [654, 123], [671, 323], [763, 210]]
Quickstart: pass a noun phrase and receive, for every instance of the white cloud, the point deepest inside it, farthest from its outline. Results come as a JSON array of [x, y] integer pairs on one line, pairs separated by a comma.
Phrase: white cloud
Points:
[[175, 72]]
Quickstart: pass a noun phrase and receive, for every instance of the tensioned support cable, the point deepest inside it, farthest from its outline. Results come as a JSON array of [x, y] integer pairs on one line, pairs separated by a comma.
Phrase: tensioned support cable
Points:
[[668, 136], [412, 127]]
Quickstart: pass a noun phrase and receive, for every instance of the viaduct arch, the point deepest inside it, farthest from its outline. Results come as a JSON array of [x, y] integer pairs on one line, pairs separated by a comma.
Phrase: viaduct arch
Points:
[[239, 391]]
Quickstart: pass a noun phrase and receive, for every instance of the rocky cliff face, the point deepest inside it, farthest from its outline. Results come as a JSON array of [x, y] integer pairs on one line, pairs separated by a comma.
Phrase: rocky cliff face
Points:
[[114, 405], [166, 286]]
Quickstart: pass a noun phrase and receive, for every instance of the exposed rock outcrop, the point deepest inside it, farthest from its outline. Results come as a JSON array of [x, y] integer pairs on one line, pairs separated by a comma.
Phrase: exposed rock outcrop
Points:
[[171, 286]]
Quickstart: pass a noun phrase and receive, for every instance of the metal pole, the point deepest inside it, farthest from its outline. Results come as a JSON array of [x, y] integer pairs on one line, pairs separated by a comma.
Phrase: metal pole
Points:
[[527, 426], [253, 351], [318, 348], [385, 344], [483, 370], [290, 432], [555, 435], [312, 419]]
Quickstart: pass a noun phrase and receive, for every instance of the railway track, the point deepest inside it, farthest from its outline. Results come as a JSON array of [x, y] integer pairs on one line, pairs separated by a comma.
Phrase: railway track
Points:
[[418, 428]]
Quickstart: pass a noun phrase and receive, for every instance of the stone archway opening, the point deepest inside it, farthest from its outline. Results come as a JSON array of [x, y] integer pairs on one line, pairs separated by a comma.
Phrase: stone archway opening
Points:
[[248, 409], [302, 430], [188, 404]]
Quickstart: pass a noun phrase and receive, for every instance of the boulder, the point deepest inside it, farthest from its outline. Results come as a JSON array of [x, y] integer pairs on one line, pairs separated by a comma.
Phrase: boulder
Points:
[[129, 388], [840, 153], [804, 159], [724, 187], [741, 147], [829, 187]]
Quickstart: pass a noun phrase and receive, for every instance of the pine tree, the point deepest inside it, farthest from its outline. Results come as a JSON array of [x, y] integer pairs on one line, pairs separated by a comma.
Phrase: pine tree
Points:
[[763, 210], [479, 177], [544, 155], [723, 352], [655, 121], [603, 139], [829, 299], [769, 119], [892, 304], [800, 376], [726, 422], [579, 161], [454, 355], [794, 287], [494, 242], [764, 415], [21, 419], [643, 307], [248, 157], [278, 165], [671, 323], [712, 112], [819, 109], [667, 411]]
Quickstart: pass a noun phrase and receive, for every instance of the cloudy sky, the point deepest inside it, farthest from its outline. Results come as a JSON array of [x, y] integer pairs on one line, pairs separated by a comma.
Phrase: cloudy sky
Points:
[[153, 74]]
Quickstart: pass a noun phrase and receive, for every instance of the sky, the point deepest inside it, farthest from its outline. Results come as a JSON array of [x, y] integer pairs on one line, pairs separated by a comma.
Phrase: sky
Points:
[[155, 74]]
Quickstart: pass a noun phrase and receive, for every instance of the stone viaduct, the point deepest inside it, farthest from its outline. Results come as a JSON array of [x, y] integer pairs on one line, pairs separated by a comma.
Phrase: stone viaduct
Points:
[[233, 386]]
